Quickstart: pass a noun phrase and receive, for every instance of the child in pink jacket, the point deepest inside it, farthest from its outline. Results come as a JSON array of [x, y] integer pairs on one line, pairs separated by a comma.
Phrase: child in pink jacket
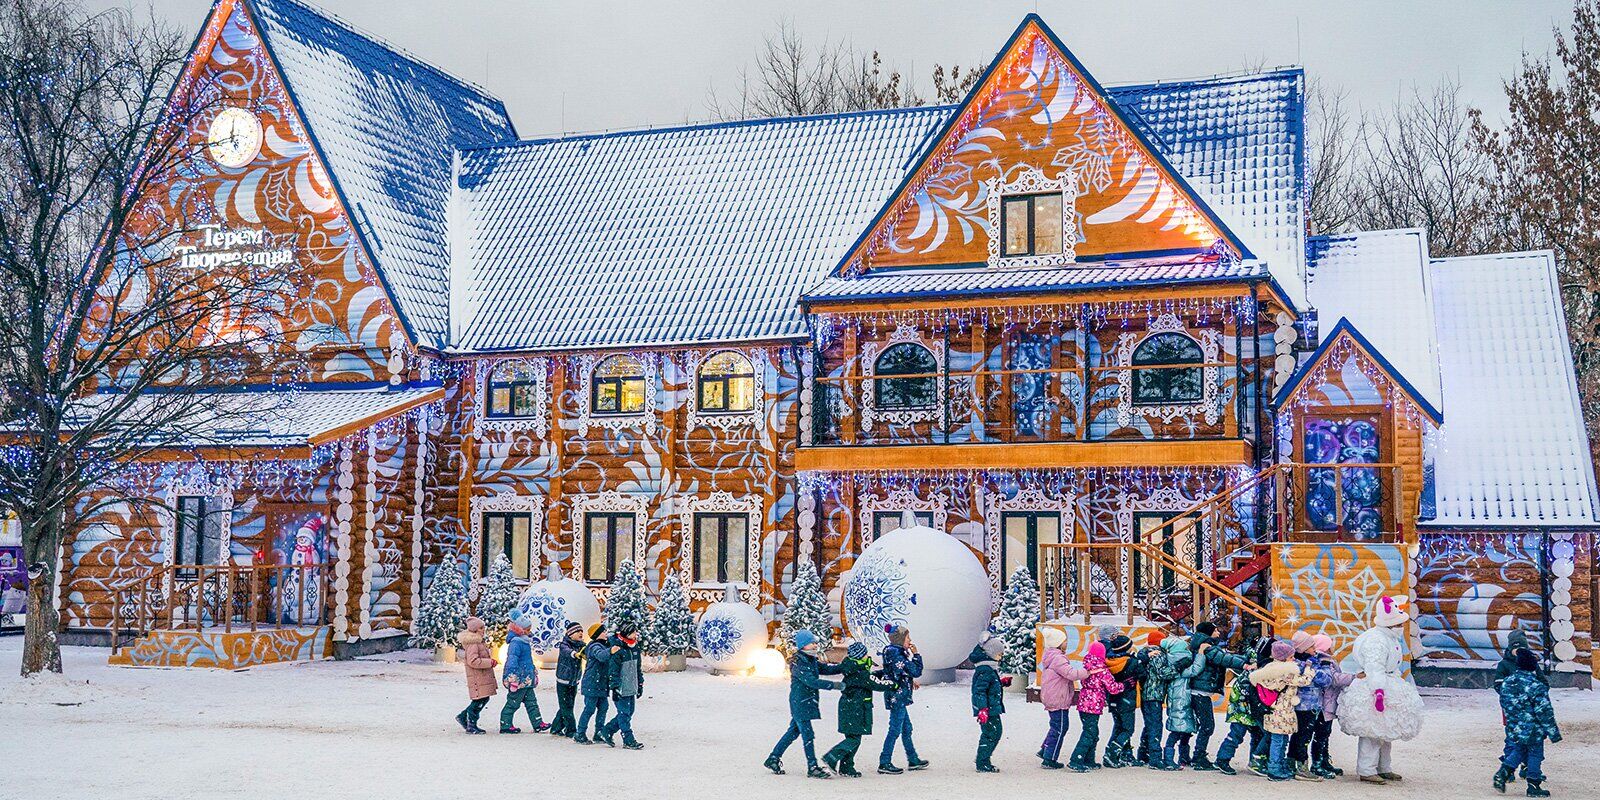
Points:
[[1058, 680], [1092, 693]]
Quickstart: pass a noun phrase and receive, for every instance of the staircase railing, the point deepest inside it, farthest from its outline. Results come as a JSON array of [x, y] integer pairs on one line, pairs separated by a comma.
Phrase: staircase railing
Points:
[[225, 597]]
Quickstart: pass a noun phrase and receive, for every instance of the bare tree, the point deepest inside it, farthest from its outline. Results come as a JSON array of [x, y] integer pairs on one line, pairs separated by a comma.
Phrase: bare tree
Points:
[[1543, 176], [103, 311], [1334, 195]]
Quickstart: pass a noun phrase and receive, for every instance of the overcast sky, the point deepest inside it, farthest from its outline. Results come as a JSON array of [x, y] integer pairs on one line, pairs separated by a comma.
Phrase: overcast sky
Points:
[[575, 65]]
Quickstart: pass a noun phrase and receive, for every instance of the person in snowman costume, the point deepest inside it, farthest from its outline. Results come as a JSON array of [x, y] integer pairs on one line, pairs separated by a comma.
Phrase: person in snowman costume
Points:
[[1380, 706]]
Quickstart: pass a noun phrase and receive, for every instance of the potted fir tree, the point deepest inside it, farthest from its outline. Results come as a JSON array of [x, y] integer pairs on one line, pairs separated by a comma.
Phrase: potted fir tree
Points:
[[443, 613], [1017, 624], [673, 630]]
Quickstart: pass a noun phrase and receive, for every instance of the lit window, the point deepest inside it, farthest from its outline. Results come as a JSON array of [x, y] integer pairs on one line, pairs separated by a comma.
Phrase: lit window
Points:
[[1160, 375], [513, 391], [727, 383], [509, 534], [905, 377], [1031, 224], [720, 542], [618, 386], [607, 542], [198, 525], [1023, 532]]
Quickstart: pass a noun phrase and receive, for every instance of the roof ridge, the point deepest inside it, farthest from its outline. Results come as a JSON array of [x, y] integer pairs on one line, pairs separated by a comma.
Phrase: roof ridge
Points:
[[379, 41], [1543, 253], [1218, 78], [696, 126]]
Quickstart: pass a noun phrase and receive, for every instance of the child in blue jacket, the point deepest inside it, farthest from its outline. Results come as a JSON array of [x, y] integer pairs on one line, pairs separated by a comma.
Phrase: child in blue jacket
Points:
[[595, 685], [520, 676], [1530, 718], [804, 705], [569, 670]]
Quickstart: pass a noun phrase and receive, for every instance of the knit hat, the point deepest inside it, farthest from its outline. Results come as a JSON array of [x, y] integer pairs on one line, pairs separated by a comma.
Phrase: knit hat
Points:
[[1390, 611], [1097, 650], [1527, 661], [1154, 640], [1282, 650], [897, 634], [474, 624], [596, 629], [1119, 642], [993, 647], [1323, 643], [518, 626], [1303, 643], [1206, 628], [1105, 632], [856, 651], [1053, 638], [573, 627], [803, 639]]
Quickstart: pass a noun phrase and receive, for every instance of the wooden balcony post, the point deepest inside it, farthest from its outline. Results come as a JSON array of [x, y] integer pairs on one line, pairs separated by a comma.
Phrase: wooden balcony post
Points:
[[1128, 591]]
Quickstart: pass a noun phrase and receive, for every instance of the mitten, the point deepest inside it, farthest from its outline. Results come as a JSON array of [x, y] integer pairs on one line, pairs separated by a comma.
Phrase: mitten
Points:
[[983, 716], [1378, 696], [1005, 680]]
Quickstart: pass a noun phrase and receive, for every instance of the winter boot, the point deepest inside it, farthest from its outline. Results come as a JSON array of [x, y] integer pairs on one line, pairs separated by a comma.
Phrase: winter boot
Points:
[[773, 764], [830, 761], [540, 727], [916, 764], [1302, 772], [1258, 765], [815, 771], [1051, 764], [581, 739], [1536, 789], [630, 743], [1226, 768], [1201, 764], [1501, 777], [887, 768], [993, 768], [1392, 777], [847, 768], [461, 719], [510, 729]]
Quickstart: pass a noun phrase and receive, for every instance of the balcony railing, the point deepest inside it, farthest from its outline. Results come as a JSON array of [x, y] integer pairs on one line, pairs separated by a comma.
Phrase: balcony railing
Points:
[[226, 597]]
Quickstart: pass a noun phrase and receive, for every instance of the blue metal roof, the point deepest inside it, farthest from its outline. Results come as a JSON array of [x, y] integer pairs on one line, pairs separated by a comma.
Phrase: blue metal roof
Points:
[[891, 284], [387, 126]]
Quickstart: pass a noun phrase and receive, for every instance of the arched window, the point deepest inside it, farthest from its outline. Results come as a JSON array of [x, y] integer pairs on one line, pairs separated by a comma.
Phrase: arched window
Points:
[[1172, 382], [727, 383], [617, 386], [513, 391], [917, 390]]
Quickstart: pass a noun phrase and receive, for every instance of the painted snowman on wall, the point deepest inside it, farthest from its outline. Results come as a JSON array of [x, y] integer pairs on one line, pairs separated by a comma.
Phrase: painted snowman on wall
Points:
[[548, 605], [301, 597], [927, 581]]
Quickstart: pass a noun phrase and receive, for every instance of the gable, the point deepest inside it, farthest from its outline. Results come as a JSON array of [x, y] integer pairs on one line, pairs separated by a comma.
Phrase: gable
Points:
[[1347, 370], [1037, 121]]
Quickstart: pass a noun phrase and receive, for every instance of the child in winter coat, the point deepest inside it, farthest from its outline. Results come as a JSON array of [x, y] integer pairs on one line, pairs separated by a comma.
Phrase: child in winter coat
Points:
[[1278, 683], [1125, 704], [988, 703], [902, 666], [1058, 680], [1308, 706], [1338, 679], [1517, 640], [625, 677], [1156, 672], [1180, 714], [595, 685], [520, 678], [1530, 719], [1244, 718], [804, 707], [569, 669], [479, 663], [1205, 687], [1092, 693], [855, 709]]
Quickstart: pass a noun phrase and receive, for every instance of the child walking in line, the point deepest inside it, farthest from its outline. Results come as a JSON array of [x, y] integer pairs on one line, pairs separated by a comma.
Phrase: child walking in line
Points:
[[1530, 718], [988, 701], [479, 663], [595, 685], [1321, 756], [1278, 683], [1205, 687], [520, 677], [569, 669], [902, 666], [804, 707], [1180, 713], [1124, 705], [1244, 719], [626, 679], [855, 709], [1308, 708], [1058, 680], [1092, 694], [1157, 672]]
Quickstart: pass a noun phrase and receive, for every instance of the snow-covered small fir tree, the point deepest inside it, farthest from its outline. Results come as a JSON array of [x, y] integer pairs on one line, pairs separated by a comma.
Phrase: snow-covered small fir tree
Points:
[[672, 632], [1017, 622], [627, 606], [497, 598], [807, 608], [443, 613]]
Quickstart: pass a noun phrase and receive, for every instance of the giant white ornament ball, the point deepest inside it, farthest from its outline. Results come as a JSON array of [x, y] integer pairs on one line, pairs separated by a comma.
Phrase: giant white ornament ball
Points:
[[548, 605], [730, 635], [925, 580]]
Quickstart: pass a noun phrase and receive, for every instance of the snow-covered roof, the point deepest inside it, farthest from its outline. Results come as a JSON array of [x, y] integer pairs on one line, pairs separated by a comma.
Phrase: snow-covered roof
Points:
[[1513, 449], [1379, 282], [947, 282], [387, 126], [301, 417]]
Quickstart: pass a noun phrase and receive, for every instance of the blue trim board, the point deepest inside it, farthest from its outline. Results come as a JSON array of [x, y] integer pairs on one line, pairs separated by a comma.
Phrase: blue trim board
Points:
[[1345, 326]]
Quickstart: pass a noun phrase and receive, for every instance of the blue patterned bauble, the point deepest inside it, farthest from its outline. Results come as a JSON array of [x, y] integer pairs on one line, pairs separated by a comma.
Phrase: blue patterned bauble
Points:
[[925, 580], [729, 635], [548, 606], [718, 638], [877, 595]]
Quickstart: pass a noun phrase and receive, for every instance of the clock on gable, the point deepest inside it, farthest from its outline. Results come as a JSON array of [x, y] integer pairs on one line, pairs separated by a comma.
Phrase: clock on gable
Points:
[[234, 138]]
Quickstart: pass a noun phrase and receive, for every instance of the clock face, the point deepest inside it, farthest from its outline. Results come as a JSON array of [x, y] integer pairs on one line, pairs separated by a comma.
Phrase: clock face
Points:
[[234, 139]]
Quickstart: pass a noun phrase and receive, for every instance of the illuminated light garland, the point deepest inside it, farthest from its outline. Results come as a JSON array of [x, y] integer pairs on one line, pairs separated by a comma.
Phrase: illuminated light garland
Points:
[[1058, 481], [1343, 354]]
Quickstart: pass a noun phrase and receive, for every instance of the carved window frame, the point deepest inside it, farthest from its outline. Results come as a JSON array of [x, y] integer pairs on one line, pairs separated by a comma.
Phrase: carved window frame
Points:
[[1210, 342], [870, 505], [644, 419], [613, 502], [870, 351], [1033, 500], [167, 519], [721, 503], [727, 420], [1029, 180], [509, 503], [539, 421]]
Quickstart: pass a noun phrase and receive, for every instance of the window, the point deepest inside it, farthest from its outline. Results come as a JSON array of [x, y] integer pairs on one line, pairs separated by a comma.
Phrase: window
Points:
[[727, 383], [1021, 534], [618, 386], [887, 521], [1174, 384], [720, 542], [513, 391], [199, 531], [917, 389], [607, 542], [508, 533], [1030, 224]]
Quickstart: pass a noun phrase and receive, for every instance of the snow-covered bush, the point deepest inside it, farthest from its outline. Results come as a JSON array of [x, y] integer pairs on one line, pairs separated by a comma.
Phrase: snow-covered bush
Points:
[[443, 613], [1017, 622]]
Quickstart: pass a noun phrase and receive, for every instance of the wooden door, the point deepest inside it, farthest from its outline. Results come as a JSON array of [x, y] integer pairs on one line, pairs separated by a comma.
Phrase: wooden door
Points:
[[1350, 503]]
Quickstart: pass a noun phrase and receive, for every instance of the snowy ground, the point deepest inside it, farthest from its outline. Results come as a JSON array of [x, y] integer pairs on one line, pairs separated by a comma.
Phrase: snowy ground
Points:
[[382, 727]]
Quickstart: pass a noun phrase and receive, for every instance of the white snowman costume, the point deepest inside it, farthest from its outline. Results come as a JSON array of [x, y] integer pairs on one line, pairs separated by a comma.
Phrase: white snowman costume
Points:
[[1379, 654]]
